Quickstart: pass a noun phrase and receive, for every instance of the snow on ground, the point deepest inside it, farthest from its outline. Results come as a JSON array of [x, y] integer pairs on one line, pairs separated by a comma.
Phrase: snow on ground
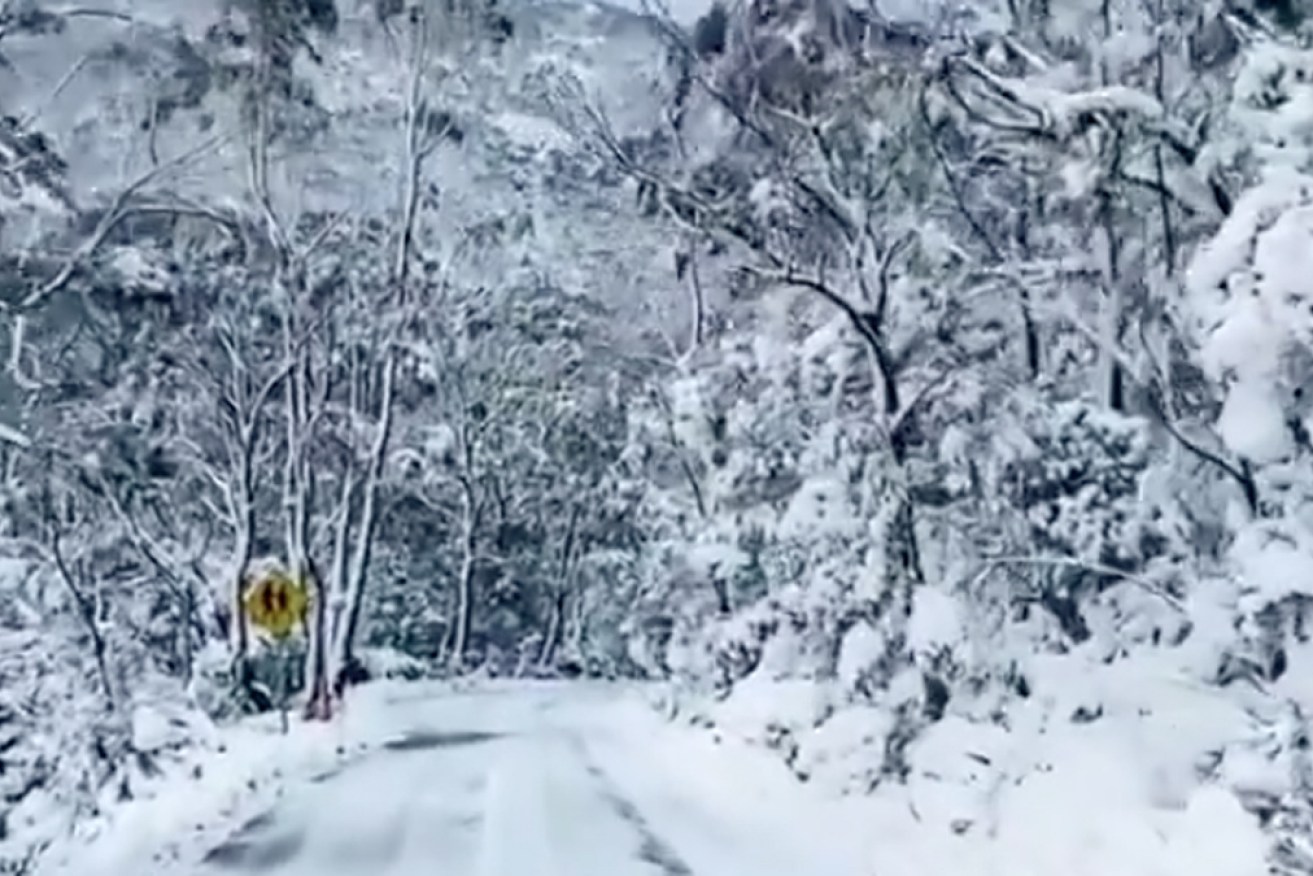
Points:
[[513, 779], [1097, 773], [238, 771]]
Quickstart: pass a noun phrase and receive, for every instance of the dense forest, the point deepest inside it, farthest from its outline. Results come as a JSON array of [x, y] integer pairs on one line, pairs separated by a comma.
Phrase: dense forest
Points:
[[854, 371]]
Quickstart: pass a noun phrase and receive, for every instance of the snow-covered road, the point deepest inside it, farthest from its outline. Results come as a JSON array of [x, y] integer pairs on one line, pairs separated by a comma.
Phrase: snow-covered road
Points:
[[521, 782], [504, 779]]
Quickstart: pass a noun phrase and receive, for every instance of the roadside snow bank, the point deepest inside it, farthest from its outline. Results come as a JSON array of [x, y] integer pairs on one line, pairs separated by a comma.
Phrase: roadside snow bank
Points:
[[224, 777], [1128, 768]]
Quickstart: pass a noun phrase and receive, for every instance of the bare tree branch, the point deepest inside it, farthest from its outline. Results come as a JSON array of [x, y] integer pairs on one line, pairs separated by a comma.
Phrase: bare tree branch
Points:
[[118, 210]]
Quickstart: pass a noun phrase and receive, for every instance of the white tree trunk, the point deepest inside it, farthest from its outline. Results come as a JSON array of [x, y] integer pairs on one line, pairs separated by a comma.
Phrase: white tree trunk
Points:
[[465, 584], [357, 576]]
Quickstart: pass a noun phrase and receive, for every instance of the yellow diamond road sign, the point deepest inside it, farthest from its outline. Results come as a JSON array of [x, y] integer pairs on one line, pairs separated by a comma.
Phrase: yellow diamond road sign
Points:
[[276, 603]]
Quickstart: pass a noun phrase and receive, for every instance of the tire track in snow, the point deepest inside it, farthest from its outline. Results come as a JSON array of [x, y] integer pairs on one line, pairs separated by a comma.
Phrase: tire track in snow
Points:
[[257, 846], [548, 811], [653, 849], [339, 822]]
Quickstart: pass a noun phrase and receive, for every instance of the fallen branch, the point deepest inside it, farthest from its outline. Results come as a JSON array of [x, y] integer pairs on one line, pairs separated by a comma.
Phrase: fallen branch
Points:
[[1073, 563], [13, 436]]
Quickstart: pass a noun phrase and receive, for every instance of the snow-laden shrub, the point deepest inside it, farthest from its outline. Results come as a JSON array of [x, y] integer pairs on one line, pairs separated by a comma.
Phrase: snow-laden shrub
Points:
[[1248, 306], [67, 755], [81, 729], [211, 687], [392, 664], [1079, 483]]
